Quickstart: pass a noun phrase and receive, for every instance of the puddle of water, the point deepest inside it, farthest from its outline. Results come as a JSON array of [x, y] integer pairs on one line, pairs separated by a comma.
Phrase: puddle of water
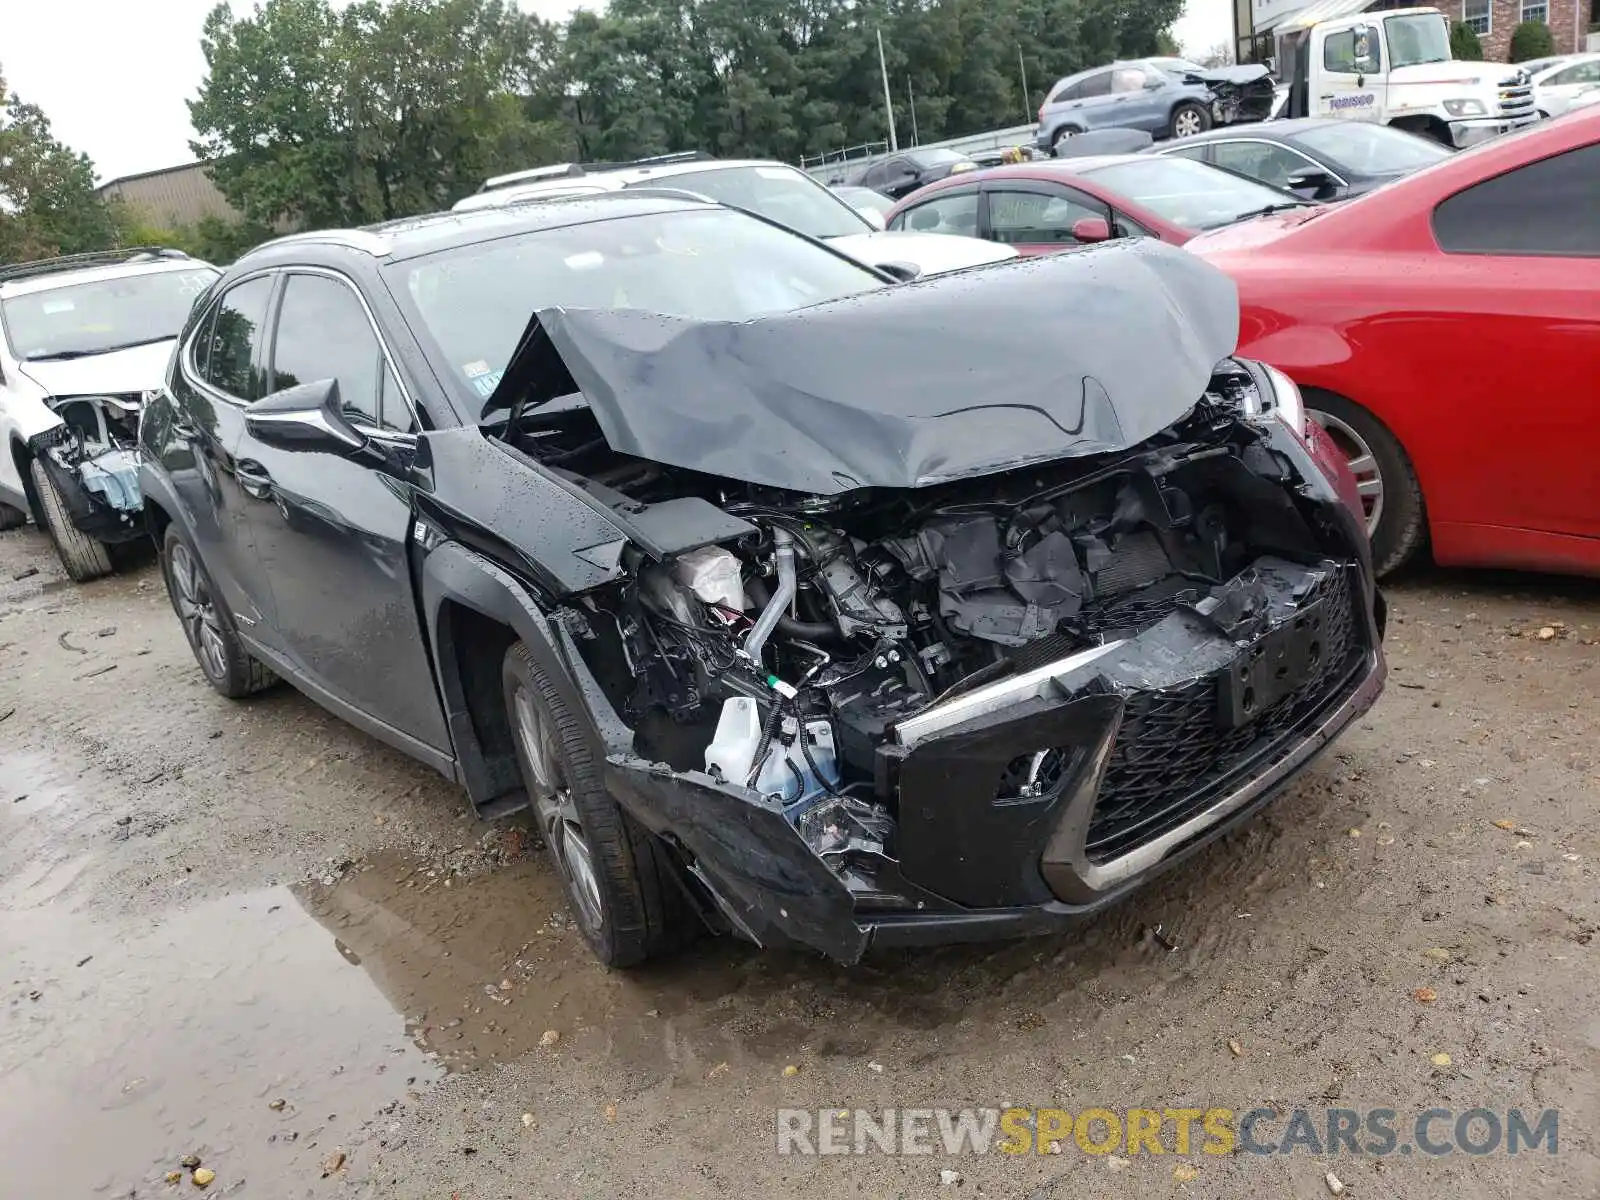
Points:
[[124, 1047]]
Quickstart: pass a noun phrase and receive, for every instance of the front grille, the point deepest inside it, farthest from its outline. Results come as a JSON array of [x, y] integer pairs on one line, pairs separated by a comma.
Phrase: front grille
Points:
[[1172, 756], [1516, 98]]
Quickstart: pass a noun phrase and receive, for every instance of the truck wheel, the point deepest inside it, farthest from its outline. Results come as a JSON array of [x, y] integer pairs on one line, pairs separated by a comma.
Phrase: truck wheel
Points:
[[228, 666], [84, 557], [1188, 119], [617, 876], [12, 518], [1396, 515]]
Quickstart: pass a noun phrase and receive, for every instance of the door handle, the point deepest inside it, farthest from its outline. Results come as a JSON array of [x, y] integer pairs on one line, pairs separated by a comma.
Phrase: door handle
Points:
[[253, 478]]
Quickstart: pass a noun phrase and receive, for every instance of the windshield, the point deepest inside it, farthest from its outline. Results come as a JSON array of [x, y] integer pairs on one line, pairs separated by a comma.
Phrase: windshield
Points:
[[1424, 38], [861, 197], [1189, 194], [780, 193], [1362, 148], [708, 264], [80, 319]]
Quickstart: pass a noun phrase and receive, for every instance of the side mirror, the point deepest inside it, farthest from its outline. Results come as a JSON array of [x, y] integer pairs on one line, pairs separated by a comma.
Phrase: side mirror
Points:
[[903, 271], [1319, 184], [1089, 230], [306, 417], [871, 216]]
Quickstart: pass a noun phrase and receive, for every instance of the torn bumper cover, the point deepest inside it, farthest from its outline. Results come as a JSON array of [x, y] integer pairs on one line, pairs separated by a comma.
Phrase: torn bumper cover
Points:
[[99, 490], [1038, 800]]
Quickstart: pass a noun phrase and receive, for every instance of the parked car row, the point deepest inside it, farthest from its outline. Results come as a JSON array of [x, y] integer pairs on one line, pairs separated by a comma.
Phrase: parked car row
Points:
[[1411, 317]]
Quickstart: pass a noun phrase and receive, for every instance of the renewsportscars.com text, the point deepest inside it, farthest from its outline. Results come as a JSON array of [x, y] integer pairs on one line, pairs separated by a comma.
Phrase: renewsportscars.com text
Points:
[[1177, 1131]]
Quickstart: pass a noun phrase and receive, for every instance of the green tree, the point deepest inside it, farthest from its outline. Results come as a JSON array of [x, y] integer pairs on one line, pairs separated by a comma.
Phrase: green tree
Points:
[[382, 110], [1464, 43], [1530, 40], [48, 204]]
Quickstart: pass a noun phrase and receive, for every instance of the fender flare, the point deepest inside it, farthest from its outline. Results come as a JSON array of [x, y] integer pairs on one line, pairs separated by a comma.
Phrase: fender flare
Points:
[[453, 574]]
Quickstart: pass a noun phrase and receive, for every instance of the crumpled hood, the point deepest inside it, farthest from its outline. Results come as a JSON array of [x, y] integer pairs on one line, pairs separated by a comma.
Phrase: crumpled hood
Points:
[[931, 253], [952, 377], [1239, 76], [136, 369]]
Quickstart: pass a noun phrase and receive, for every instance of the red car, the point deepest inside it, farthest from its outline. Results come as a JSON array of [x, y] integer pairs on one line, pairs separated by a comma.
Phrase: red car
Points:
[[1445, 330], [1042, 207]]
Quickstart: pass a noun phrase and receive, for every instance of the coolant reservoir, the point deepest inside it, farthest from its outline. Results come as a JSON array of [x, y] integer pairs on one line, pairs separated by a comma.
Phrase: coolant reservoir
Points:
[[733, 748], [712, 574]]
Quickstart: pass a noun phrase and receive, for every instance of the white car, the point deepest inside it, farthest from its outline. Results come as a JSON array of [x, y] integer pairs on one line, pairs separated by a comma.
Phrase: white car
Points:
[[1556, 85], [769, 189], [83, 341]]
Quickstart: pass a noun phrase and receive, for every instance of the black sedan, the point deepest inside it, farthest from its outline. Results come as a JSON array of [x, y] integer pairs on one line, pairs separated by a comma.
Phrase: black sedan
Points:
[[1314, 158], [793, 602], [901, 173]]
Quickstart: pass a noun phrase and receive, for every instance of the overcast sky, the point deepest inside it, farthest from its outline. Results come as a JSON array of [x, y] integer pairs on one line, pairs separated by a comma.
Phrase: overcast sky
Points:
[[113, 75]]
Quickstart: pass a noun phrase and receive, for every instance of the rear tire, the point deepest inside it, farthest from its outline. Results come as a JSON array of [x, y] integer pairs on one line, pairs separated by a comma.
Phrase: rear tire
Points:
[[11, 518], [226, 664], [617, 876], [1188, 119], [1063, 134], [1401, 527], [84, 557]]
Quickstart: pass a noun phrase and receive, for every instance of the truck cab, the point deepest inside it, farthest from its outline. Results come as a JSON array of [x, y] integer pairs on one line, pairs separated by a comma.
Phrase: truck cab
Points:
[[1394, 67]]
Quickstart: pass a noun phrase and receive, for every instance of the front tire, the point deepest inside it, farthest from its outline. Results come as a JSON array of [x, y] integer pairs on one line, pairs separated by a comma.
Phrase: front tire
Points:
[[84, 557], [1065, 133], [1391, 495], [1189, 119], [226, 664], [617, 876]]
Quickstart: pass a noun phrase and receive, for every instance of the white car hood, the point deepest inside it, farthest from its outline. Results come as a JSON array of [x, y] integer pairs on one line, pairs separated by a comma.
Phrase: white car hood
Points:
[[136, 369], [933, 253], [1465, 74]]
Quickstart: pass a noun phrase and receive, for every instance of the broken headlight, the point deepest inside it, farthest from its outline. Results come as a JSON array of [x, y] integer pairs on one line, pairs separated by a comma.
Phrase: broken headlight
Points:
[[1277, 396]]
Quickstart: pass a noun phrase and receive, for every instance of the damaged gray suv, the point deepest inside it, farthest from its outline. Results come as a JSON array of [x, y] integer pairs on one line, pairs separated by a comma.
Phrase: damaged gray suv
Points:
[[794, 602]]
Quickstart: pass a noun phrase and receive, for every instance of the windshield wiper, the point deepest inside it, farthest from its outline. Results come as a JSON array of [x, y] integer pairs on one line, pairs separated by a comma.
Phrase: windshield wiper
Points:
[[64, 355], [1267, 210]]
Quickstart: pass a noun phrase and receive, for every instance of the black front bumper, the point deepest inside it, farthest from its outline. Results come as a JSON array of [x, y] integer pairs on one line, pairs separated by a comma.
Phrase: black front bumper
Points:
[[1159, 755]]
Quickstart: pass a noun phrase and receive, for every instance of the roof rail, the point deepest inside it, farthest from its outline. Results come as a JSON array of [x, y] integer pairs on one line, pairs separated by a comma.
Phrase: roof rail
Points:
[[636, 192], [564, 170], [92, 258], [364, 240]]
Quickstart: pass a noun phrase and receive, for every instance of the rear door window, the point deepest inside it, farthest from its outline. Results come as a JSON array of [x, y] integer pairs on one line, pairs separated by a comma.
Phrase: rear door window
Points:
[[231, 364], [1546, 208]]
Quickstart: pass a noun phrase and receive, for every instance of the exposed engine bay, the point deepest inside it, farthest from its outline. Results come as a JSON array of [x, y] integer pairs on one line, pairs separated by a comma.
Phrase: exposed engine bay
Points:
[[93, 458], [1241, 93], [806, 659]]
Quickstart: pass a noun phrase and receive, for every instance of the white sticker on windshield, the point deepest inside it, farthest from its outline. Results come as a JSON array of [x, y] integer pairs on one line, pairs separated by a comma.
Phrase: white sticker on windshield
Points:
[[587, 260], [775, 172], [60, 304], [485, 385], [474, 369]]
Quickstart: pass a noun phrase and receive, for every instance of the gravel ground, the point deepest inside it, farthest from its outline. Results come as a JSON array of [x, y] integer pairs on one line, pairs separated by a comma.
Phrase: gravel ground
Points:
[[249, 933]]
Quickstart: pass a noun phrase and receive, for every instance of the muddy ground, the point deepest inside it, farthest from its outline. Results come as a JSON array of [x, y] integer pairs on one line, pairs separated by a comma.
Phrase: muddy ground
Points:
[[248, 932]]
